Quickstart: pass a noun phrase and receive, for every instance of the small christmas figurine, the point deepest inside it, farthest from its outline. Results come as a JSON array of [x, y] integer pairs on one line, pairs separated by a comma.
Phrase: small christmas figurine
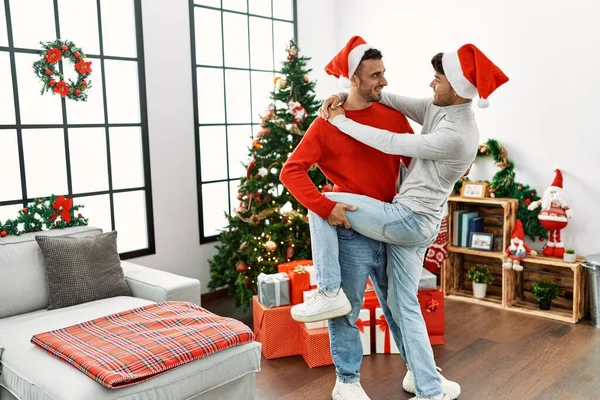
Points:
[[554, 216], [517, 250]]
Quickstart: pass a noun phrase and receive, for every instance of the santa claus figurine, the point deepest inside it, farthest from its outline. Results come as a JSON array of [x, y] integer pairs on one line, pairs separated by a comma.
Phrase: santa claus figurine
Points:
[[517, 250], [554, 216]]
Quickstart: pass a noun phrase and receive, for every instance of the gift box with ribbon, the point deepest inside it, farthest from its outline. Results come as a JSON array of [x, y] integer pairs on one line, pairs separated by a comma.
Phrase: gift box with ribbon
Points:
[[274, 289], [274, 327], [316, 350], [364, 327], [299, 278], [384, 342], [313, 325], [432, 308]]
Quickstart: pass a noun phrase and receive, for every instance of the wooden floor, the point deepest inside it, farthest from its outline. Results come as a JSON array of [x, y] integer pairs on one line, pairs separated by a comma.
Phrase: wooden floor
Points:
[[493, 354]]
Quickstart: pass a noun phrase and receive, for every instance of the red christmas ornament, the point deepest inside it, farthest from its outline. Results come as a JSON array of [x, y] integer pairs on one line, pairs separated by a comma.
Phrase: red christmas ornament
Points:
[[64, 47], [77, 92], [306, 79], [77, 54], [79, 215], [83, 83], [48, 72], [3, 233], [52, 82], [289, 253], [249, 169], [25, 211], [519, 187], [527, 202], [40, 201], [542, 238], [241, 267]]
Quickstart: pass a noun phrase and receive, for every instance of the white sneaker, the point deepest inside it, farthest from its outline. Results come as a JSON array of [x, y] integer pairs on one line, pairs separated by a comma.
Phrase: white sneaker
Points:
[[348, 391], [451, 389], [438, 397], [321, 306]]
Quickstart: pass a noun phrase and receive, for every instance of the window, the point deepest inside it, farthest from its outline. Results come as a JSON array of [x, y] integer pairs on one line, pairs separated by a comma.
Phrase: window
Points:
[[95, 151], [237, 46]]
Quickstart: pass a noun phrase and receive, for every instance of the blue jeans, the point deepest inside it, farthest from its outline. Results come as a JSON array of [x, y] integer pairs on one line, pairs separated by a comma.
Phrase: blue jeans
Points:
[[346, 257]]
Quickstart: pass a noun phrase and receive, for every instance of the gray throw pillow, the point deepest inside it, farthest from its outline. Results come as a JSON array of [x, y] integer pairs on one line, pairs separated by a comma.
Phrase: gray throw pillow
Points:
[[80, 270]]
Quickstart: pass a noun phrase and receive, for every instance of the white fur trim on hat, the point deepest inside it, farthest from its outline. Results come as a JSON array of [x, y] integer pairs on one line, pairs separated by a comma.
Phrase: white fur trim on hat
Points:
[[344, 82], [454, 73], [356, 54]]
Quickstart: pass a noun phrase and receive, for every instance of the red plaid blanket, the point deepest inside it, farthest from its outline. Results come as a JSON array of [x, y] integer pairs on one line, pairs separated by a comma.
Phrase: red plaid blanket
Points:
[[132, 346]]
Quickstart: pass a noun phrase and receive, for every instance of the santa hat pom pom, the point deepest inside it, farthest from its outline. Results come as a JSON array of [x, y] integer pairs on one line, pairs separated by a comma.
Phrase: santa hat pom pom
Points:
[[344, 82], [483, 103]]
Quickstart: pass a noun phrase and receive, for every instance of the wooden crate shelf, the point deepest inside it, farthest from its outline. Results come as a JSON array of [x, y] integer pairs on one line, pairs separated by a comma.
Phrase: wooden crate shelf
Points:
[[511, 290]]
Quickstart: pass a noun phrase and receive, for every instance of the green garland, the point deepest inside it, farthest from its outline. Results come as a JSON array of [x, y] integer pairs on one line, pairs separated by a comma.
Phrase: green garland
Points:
[[53, 212], [503, 185]]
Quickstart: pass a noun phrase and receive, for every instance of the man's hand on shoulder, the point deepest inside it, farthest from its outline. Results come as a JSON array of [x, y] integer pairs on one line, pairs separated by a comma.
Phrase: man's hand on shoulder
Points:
[[338, 215]]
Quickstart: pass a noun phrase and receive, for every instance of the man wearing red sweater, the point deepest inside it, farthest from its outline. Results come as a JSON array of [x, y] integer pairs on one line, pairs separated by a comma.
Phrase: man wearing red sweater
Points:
[[353, 168]]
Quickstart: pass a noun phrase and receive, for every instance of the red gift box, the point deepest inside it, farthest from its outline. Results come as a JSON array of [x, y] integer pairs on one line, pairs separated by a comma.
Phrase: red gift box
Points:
[[276, 330], [315, 347], [432, 308], [299, 278]]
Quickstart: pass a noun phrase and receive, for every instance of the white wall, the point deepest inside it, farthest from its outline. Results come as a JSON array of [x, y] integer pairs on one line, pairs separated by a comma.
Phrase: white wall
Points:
[[545, 116], [171, 131]]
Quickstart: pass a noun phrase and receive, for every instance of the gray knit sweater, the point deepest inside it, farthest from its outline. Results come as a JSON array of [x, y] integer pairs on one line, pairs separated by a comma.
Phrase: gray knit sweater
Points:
[[442, 153]]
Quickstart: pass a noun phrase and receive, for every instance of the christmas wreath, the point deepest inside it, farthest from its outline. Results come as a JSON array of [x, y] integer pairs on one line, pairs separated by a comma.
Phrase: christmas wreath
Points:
[[503, 185], [47, 69], [53, 212]]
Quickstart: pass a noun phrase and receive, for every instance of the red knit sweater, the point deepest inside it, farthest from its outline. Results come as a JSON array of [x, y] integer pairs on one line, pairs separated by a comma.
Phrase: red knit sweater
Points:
[[353, 167]]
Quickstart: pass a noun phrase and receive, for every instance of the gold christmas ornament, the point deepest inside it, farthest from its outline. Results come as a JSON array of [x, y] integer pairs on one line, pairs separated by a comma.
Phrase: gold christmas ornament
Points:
[[271, 246]]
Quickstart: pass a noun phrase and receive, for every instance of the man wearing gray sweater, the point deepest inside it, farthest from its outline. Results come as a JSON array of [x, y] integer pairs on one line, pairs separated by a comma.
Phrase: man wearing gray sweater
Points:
[[441, 155]]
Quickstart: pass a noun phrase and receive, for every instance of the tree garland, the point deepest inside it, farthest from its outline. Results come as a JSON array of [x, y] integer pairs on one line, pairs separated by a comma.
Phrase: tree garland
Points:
[[53, 212], [503, 185], [47, 69]]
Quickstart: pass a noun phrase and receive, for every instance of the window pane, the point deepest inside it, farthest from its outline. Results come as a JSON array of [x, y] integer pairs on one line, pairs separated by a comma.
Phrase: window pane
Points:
[[3, 27], [238, 96], [92, 110], [283, 9], [122, 91], [97, 210], [210, 3], [118, 28], [283, 33], [10, 178], [7, 102], [235, 28], [70, 13], [45, 162], [260, 7], [126, 157], [262, 86], [87, 150], [236, 5], [35, 108], [32, 22], [10, 212], [261, 36], [210, 96], [213, 163], [131, 221], [233, 192], [239, 137], [215, 203], [207, 24]]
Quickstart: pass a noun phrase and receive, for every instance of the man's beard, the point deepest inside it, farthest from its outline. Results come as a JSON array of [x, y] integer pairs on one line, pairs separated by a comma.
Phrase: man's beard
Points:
[[368, 95]]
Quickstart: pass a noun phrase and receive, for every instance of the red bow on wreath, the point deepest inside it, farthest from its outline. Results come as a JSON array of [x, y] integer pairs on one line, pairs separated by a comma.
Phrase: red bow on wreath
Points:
[[63, 205]]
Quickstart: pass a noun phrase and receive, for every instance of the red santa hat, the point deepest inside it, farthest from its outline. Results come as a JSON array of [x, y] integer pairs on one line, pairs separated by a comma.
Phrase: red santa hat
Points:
[[344, 64], [471, 73], [558, 180], [518, 231]]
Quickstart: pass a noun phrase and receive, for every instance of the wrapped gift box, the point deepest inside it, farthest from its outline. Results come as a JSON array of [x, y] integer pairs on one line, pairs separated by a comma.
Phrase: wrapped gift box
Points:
[[313, 325], [316, 350], [276, 330], [364, 326], [432, 308], [384, 342], [299, 278], [274, 289]]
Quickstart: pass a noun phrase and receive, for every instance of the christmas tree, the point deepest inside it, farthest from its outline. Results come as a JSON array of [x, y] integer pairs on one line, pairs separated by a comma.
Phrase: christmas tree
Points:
[[269, 227]]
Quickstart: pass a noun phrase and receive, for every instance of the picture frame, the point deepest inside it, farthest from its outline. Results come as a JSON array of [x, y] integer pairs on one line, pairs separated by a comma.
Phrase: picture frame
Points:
[[481, 241], [476, 190]]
